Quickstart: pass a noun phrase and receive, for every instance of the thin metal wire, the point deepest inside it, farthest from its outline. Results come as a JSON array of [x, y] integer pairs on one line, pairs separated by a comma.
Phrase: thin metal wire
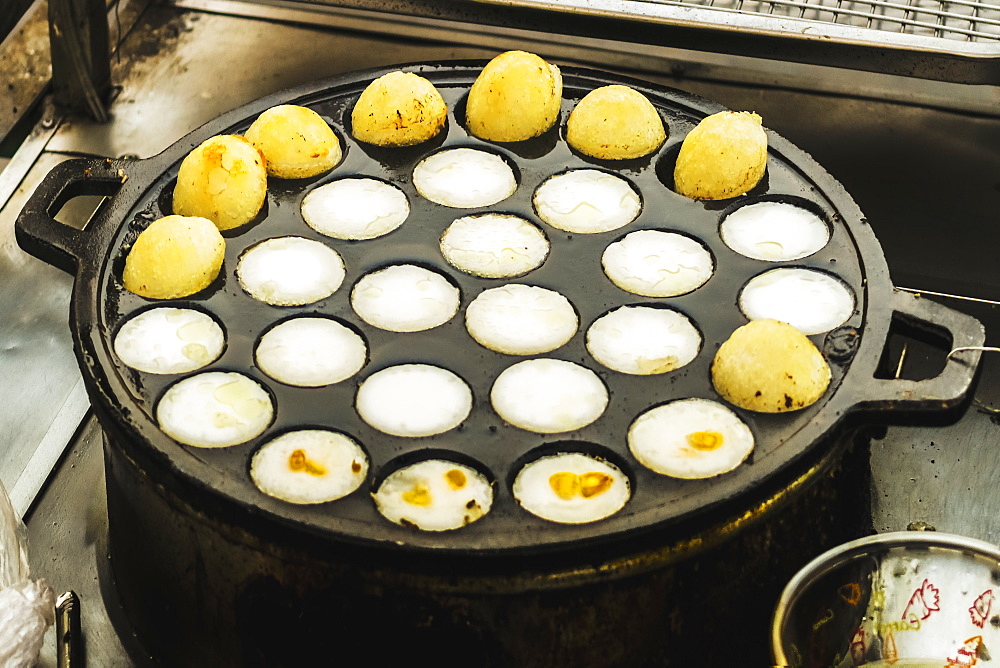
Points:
[[902, 359], [975, 16], [940, 20], [985, 349], [970, 20], [907, 11]]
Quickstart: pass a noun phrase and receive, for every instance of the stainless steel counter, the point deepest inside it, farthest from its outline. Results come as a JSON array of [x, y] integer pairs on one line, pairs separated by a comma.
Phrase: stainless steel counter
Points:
[[923, 169]]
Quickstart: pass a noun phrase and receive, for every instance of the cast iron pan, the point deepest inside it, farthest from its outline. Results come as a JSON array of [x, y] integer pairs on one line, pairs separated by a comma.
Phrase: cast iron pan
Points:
[[139, 191]]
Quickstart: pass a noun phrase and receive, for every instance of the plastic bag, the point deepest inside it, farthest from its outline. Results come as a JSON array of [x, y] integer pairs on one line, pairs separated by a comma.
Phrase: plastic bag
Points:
[[27, 607]]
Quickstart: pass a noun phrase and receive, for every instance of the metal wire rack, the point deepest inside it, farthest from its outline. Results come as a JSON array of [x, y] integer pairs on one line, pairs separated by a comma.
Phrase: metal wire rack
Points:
[[965, 20], [954, 41]]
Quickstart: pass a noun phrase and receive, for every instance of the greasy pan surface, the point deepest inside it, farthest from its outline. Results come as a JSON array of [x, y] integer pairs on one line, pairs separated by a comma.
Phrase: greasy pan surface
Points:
[[573, 268]]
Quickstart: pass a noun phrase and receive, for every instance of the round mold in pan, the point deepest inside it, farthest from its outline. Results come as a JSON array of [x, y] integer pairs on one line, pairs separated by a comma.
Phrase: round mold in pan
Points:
[[573, 268]]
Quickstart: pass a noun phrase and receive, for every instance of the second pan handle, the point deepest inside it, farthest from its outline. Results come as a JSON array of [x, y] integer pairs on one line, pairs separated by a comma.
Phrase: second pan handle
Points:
[[950, 386], [37, 230]]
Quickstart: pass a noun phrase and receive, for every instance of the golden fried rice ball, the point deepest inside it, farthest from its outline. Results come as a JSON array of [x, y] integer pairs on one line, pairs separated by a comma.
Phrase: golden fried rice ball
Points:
[[615, 123], [296, 142], [517, 96], [724, 156], [175, 256], [770, 367], [398, 109], [223, 179]]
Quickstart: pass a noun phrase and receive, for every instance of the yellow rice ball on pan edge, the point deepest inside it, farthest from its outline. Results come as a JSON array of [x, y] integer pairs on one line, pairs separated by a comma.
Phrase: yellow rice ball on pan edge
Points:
[[222, 179], [398, 109], [517, 96], [615, 123], [769, 366], [295, 141], [176, 256], [724, 156]]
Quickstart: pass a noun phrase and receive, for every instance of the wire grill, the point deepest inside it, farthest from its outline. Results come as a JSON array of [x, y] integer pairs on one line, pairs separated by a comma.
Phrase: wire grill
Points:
[[953, 41], [963, 20]]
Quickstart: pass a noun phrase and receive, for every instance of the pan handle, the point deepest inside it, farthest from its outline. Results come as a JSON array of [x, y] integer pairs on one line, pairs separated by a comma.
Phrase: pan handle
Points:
[[37, 230], [947, 389]]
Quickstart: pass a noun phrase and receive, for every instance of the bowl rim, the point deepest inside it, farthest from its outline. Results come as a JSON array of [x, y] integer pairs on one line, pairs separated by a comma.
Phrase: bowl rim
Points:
[[867, 546]]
